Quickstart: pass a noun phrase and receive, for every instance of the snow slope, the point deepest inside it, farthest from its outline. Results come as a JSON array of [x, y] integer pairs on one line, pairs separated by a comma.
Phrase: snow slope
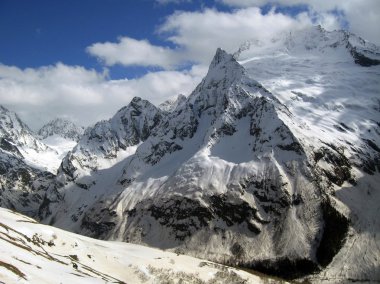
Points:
[[34, 253], [61, 145]]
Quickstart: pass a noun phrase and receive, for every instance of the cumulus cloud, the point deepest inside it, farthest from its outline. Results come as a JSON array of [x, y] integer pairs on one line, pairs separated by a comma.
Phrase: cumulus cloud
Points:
[[197, 35], [128, 51], [361, 15], [82, 95], [200, 33], [86, 96]]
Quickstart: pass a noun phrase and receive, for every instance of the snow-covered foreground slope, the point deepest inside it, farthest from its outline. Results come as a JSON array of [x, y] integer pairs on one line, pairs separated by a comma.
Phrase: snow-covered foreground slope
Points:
[[34, 253], [270, 176]]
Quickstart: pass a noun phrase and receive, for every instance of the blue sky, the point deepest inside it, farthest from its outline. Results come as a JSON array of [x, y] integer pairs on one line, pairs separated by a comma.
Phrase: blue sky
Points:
[[42, 32], [85, 59]]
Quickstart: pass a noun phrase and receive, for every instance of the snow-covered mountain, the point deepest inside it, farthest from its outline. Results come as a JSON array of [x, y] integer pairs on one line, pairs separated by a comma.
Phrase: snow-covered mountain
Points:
[[268, 164], [337, 101], [269, 175], [61, 135], [31, 149], [109, 142], [23, 179], [17, 132], [337, 46], [63, 128], [35, 253]]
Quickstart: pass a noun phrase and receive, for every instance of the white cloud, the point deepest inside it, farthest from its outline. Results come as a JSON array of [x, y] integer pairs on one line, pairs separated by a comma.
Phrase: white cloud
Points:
[[86, 96], [200, 33], [197, 34], [128, 51], [83, 95], [362, 15]]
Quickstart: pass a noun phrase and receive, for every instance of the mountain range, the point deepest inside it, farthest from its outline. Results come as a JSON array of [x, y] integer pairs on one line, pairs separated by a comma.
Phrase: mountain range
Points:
[[268, 164]]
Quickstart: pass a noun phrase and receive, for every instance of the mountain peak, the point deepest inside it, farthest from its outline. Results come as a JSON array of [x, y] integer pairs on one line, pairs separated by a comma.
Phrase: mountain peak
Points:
[[61, 127], [136, 99], [223, 67], [221, 56], [171, 104], [137, 104], [15, 130], [12, 118]]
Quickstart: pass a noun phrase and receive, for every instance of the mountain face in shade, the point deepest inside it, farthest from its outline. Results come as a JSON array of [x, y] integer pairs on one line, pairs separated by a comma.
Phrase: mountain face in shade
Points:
[[268, 164]]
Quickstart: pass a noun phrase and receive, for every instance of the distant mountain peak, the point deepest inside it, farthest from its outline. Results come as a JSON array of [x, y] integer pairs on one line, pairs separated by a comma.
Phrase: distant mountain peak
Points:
[[16, 131], [221, 56], [61, 127], [136, 99], [171, 104]]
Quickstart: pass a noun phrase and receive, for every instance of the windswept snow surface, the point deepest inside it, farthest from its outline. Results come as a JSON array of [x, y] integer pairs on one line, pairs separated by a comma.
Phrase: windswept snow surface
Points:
[[34, 253]]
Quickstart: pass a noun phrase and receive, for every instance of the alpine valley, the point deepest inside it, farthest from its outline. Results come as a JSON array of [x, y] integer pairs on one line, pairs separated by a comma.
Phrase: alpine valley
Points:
[[272, 164]]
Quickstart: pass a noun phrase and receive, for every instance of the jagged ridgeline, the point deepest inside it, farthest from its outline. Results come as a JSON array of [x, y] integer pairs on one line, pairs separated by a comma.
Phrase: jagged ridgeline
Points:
[[268, 163]]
